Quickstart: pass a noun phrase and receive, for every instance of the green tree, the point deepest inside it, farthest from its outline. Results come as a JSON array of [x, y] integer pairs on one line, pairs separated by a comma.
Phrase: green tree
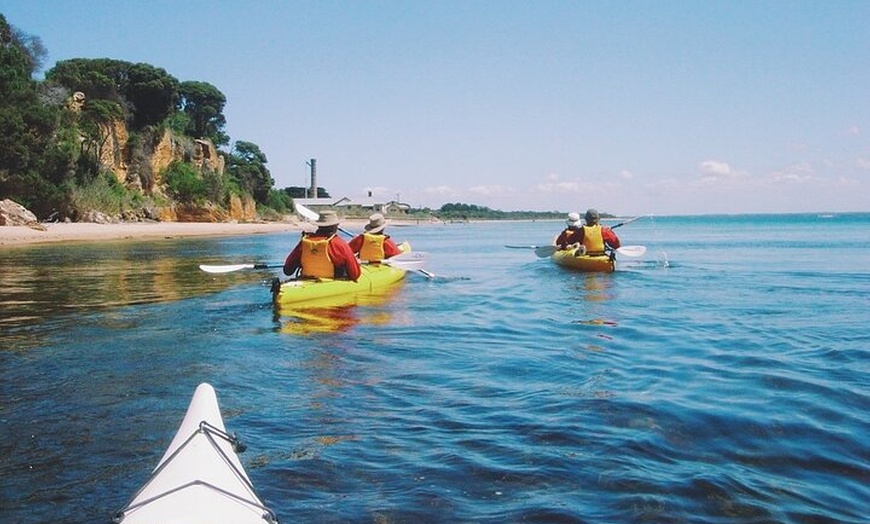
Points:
[[183, 183], [34, 162], [279, 201], [203, 104], [153, 94], [247, 165], [32, 46], [99, 78], [302, 192], [147, 94]]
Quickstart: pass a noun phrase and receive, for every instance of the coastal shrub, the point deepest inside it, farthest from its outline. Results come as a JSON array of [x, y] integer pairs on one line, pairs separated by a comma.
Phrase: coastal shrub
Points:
[[268, 213], [219, 187], [184, 184], [105, 194], [279, 200]]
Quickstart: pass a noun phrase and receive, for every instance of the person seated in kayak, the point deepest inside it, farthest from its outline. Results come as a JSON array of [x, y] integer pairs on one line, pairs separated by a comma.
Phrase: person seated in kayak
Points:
[[323, 254], [573, 234], [595, 238], [373, 245]]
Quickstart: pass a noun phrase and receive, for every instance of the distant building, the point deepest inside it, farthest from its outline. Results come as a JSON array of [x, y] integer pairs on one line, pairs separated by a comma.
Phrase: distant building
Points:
[[393, 208], [358, 208], [355, 208]]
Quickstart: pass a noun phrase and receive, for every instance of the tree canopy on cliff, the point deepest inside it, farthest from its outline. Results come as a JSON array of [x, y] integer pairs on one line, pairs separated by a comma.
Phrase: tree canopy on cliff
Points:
[[203, 104], [147, 94], [247, 164]]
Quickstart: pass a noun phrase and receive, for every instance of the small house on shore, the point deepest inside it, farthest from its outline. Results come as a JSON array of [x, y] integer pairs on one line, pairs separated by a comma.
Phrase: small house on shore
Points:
[[356, 208]]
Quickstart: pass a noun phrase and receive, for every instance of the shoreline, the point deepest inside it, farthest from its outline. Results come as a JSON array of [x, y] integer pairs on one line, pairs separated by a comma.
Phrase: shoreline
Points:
[[69, 232], [14, 236]]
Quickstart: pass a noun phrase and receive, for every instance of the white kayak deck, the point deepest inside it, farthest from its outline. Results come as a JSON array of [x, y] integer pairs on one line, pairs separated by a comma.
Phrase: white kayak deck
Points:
[[199, 479]]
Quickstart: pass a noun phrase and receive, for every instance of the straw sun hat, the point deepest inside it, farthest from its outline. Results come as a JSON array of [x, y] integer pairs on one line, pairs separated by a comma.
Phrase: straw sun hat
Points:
[[376, 224]]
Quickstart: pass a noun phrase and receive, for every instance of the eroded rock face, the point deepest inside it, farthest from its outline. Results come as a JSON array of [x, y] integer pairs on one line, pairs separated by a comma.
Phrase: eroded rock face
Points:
[[206, 155], [139, 167], [141, 170], [14, 214], [76, 102], [192, 213], [242, 210]]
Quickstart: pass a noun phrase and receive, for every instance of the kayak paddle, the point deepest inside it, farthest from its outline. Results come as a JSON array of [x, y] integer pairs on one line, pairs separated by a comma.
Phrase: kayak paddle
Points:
[[229, 268]]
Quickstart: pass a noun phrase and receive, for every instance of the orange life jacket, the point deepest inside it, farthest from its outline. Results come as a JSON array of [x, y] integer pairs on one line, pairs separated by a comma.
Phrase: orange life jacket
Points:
[[372, 249], [593, 240], [315, 258]]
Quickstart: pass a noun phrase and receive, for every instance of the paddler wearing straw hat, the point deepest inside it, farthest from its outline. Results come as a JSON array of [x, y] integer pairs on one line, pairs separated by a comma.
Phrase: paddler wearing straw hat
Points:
[[373, 245], [323, 254], [573, 233]]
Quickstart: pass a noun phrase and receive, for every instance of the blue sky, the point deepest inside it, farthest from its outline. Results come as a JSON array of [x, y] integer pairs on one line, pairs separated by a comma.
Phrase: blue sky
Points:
[[664, 107]]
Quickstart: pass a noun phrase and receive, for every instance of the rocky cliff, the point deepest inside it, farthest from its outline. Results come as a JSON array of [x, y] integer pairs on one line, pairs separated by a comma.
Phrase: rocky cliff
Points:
[[139, 163]]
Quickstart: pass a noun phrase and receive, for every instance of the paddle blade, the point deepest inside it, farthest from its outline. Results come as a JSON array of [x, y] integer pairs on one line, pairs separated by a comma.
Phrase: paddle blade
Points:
[[632, 251], [545, 251], [225, 268], [407, 265], [229, 268], [306, 213], [413, 261]]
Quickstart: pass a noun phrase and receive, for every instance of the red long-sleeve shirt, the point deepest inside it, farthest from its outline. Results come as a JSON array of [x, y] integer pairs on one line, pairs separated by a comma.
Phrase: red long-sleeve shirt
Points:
[[569, 236], [610, 237], [340, 254]]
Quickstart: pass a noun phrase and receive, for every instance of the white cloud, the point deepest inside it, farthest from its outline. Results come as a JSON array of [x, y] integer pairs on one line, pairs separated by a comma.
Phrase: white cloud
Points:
[[626, 174], [715, 168], [802, 172], [717, 172], [863, 163]]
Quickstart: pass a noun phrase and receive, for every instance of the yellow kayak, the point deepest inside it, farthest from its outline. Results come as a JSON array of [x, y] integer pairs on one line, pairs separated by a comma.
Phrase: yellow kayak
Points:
[[312, 320], [587, 263], [375, 279]]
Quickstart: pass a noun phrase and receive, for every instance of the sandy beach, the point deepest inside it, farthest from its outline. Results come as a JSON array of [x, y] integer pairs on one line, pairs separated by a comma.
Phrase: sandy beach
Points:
[[90, 232], [84, 232]]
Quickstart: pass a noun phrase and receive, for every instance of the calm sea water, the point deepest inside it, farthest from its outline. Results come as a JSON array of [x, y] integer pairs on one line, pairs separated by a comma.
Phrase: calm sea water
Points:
[[722, 377]]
